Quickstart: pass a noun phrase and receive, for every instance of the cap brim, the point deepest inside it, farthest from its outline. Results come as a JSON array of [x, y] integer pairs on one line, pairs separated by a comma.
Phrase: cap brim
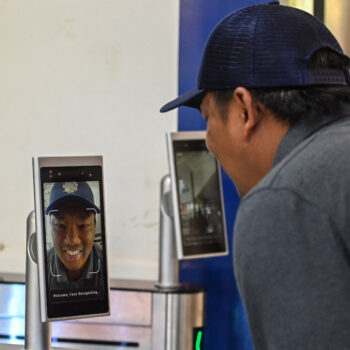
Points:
[[191, 98], [58, 202]]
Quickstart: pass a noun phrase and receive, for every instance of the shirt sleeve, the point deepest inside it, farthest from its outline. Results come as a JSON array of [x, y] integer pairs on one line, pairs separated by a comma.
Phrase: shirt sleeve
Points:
[[290, 267]]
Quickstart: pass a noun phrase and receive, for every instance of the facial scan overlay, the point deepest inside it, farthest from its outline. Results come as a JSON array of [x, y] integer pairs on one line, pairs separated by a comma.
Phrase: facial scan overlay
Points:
[[74, 245], [200, 207]]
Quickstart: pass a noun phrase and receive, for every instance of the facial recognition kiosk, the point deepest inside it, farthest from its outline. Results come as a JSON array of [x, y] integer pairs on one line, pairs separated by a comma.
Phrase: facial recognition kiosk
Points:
[[192, 225], [67, 241], [192, 220]]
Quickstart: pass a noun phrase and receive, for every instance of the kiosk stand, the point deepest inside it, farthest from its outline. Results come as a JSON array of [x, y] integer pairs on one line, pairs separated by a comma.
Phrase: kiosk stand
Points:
[[178, 309], [37, 333], [168, 263]]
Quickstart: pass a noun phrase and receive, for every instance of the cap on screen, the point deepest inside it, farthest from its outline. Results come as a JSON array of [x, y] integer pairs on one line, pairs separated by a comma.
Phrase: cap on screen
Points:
[[71, 191]]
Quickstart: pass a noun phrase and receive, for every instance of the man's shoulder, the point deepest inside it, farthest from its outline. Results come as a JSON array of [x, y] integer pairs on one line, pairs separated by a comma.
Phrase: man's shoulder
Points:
[[97, 251], [287, 234], [309, 179], [319, 164], [51, 253]]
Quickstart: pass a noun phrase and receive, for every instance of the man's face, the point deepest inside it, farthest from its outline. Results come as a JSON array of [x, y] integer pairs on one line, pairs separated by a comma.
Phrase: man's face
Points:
[[244, 137], [73, 234], [224, 138]]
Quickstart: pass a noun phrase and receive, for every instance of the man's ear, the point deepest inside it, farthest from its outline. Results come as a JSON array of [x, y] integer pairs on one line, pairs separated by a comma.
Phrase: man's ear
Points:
[[249, 111]]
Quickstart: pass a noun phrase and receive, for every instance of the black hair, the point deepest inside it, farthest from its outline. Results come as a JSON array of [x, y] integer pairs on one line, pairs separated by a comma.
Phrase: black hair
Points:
[[289, 104]]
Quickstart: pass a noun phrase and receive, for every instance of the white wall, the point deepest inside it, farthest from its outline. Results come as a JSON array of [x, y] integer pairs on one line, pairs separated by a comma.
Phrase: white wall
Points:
[[88, 77]]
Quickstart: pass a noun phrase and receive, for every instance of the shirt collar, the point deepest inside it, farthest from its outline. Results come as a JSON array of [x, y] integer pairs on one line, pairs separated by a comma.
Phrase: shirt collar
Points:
[[303, 129], [89, 270]]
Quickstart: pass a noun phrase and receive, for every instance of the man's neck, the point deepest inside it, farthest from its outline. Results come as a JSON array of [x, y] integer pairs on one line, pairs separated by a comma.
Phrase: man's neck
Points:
[[75, 274]]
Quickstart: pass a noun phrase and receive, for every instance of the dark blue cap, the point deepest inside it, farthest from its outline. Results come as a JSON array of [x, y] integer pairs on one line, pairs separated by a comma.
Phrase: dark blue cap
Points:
[[63, 192], [263, 46]]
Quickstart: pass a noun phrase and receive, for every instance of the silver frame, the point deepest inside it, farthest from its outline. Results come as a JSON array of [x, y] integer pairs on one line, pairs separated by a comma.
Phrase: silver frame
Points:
[[189, 135], [40, 162]]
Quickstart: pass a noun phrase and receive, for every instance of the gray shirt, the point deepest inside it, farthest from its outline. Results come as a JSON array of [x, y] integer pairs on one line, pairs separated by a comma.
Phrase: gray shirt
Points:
[[292, 242]]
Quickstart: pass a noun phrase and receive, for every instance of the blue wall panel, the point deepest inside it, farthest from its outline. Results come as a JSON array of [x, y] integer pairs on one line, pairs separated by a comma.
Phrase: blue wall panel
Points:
[[226, 324]]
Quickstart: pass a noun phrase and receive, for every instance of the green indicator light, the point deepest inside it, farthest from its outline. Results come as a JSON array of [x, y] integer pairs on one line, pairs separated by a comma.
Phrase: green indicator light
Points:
[[198, 340]]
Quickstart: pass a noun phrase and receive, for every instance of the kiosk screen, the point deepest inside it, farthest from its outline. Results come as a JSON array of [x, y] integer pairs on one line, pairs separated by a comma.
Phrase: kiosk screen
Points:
[[73, 241], [198, 205]]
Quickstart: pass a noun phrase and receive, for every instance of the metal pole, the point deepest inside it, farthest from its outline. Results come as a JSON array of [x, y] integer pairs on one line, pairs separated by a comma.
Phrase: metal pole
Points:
[[37, 333], [168, 263]]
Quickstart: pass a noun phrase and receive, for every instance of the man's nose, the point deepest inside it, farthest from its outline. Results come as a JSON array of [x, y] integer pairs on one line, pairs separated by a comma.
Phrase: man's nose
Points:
[[72, 235]]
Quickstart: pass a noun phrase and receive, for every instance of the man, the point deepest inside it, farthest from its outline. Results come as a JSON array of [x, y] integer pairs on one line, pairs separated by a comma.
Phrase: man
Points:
[[74, 261], [274, 89]]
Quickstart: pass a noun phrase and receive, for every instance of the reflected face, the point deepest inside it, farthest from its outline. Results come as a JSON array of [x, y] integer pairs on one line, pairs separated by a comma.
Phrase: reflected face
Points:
[[73, 234]]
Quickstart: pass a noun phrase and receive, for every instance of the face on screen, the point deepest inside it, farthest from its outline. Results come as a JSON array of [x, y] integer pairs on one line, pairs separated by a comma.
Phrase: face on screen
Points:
[[73, 234], [73, 216]]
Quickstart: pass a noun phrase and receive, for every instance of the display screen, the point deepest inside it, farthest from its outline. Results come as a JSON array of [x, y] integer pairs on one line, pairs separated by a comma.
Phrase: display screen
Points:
[[199, 199], [74, 241]]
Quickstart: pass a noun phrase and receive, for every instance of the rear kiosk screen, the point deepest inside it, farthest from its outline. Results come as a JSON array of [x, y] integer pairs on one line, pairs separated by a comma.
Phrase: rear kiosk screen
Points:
[[74, 241], [198, 212]]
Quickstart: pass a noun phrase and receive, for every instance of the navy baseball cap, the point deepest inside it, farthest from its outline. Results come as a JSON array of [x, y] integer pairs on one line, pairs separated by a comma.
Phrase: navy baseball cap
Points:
[[263, 46], [63, 192]]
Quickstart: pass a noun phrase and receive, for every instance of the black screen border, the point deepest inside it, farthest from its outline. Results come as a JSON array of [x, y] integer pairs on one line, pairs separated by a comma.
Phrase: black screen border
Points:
[[75, 309]]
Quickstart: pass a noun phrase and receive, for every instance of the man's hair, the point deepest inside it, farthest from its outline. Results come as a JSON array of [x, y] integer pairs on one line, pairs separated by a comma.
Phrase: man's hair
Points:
[[289, 104]]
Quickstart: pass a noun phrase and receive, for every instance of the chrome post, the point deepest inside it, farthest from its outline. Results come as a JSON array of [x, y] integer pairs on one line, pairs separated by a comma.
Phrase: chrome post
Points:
[[168, 263], [37, 333]]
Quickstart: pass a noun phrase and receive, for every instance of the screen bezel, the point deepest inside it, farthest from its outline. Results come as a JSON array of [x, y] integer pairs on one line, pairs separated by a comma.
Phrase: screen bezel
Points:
[[64, 312], [190, 136]]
